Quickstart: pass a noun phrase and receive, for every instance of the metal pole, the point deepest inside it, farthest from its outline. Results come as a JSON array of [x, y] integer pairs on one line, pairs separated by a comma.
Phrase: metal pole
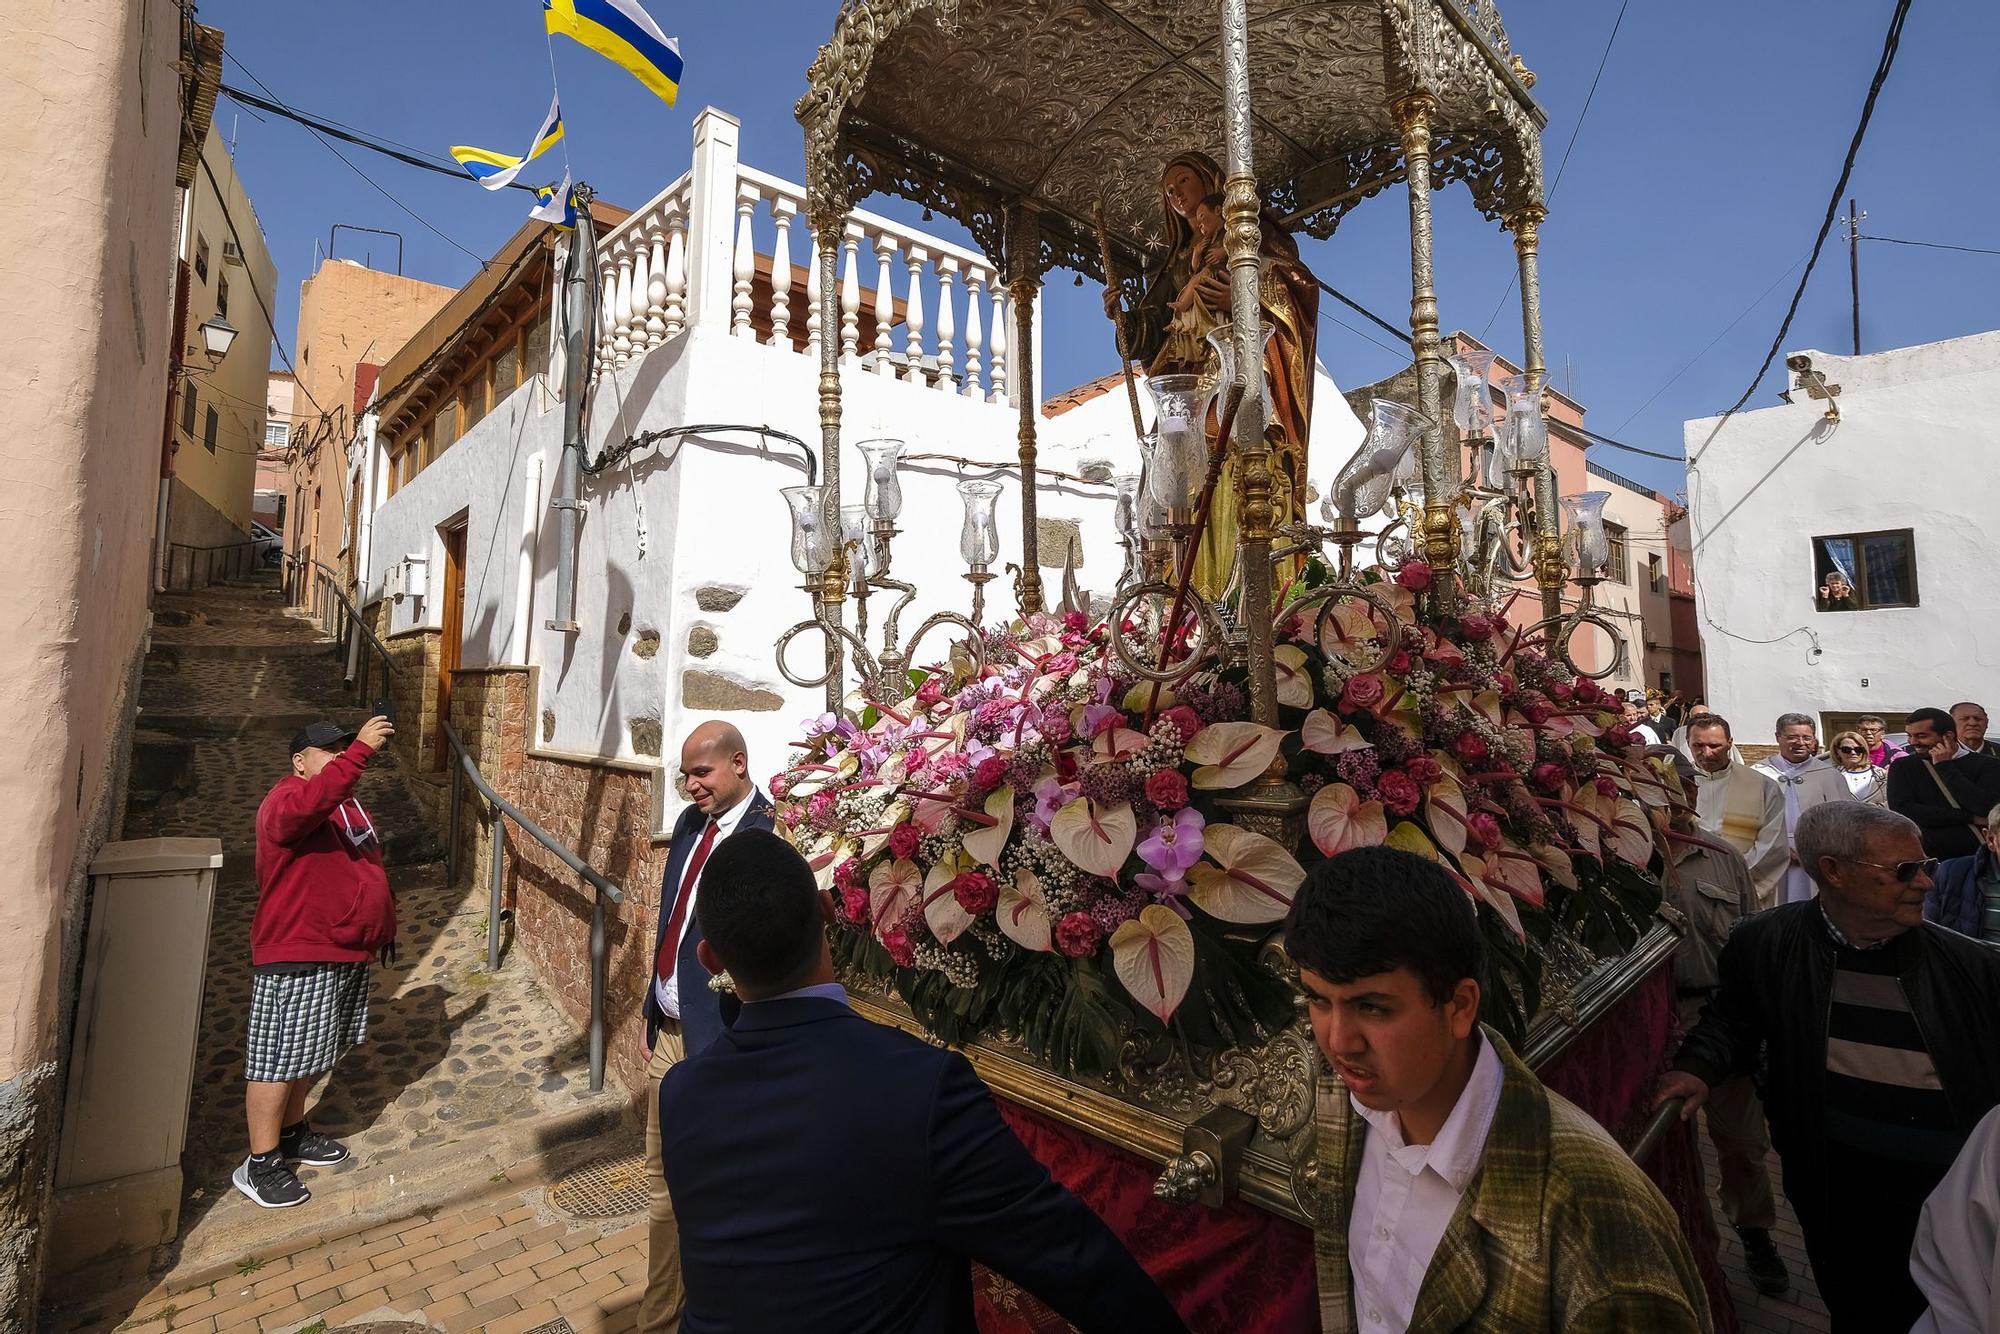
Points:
[[1242, 238], [1550, 572], [499, 846], [1440, 466], [1854, 266], [597, 979], [579, 324], [827, 227], [1024, 251]]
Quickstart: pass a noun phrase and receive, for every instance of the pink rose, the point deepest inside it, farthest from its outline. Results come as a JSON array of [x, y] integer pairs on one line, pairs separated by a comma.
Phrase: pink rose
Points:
[[1425, 769], [1537, 711], [1416, 576], [1607, 786], [847, 873], [1185, 720], [897, 941], [992, 771], [1167, 790], [1077, 935], [1621, 736], [1399, 792], [1054, 727], [931, 691], [1475, 626], [791, 815], [1561, 692], [854, 904], [975, 892], [1066, 766], [1508, 685], [903, 840], [1549, 776], [1363, 692], [1062, 664], [821, 807], [1481, 828], [779, 787], [1399, 662], [1076, 622], [1470, 747]]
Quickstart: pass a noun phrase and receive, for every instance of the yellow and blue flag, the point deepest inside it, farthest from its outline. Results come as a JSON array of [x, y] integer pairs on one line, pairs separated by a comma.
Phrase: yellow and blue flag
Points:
[[624, 34], [555, 203], [496, 171]]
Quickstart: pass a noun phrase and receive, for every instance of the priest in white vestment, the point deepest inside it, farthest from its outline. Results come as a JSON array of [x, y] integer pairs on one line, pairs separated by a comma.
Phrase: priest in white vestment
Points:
[[1956, 1256], [1805, 779], [1740, 806]]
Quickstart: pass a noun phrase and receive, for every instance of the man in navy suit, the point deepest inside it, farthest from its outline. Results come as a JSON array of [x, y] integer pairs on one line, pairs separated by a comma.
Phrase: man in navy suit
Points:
[[836, 1175], [682, 1015]]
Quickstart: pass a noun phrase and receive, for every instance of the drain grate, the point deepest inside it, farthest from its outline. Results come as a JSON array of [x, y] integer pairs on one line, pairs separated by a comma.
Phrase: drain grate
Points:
[[556, 1326], [607, 1188]]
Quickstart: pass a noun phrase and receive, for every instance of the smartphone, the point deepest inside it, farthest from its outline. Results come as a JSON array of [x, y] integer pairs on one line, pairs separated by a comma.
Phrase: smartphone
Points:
[[385, 707]]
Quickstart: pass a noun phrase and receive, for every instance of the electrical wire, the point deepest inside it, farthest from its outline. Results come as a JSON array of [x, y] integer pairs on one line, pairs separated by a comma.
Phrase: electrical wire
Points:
[[1561, 167], [358, 138], [1675, 377], [378, 187], [1890, 44], [1929, 245], [270, 322]]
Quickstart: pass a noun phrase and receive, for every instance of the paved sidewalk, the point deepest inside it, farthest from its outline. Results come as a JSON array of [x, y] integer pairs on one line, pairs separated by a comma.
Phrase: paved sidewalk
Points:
[[505, 1265]]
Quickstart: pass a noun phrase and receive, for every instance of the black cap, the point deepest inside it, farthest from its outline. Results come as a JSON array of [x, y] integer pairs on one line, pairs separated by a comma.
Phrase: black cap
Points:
[[322, 735]]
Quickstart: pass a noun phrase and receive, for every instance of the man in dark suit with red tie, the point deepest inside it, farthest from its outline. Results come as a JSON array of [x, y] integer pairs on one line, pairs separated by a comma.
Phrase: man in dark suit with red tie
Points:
[[682, 1015]]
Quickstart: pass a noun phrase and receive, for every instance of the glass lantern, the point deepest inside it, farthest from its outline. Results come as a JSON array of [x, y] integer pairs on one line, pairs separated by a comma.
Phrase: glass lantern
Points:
[[1179, 461], [882, 495], [1527, 433], [858, 537], [1362, 486], [1585, 512], [1472, 408], [1223, 339], [979, 535], [1125, 505], [810, 548]]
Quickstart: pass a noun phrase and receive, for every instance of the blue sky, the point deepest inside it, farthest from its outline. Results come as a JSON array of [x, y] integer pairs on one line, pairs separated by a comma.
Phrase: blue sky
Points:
[[1697, 181]]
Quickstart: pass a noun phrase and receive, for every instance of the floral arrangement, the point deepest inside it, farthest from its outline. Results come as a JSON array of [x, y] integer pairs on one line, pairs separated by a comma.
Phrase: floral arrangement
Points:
[[1034, 846]]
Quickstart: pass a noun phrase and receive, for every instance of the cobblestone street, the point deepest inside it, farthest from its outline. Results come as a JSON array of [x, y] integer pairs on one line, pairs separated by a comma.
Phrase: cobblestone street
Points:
[[467, 1079]]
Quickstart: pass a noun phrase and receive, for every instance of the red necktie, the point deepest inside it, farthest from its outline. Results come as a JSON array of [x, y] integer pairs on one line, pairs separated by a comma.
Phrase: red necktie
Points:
[[670, 943]]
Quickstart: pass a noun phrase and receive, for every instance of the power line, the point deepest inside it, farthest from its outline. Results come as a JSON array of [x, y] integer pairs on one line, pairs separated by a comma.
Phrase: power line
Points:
[[386, 147], [270, 321], [1743, 315], [352, 166], [1562, 166], [1890, 44], [1359, 309], [1929, 245]]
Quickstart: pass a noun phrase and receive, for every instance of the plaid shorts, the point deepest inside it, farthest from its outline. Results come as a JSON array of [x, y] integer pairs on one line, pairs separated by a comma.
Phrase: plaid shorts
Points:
[[300, 1023]]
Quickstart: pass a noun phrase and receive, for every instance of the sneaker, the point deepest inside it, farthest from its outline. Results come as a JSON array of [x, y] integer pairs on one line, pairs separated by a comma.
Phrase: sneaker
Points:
[[1767, 1268], [309, 1146], [269, 1182]]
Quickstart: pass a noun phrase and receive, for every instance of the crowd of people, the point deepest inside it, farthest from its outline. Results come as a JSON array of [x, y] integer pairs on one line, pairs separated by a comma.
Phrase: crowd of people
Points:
[[1839, 993]]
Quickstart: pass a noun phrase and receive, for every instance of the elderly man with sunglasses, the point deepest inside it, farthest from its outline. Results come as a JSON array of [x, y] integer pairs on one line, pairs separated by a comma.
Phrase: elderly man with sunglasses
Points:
[[1882, 1035]]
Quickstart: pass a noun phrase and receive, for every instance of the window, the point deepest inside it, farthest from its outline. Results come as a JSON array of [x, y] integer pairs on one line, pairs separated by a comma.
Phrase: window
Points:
[[535, 355], [475, 400], [222, 297], [443, 430], [506, 371], [208, 425], [1619, 570], [276, 433], [1865, 571], [1655, 576], [188, 409], [201, 256]]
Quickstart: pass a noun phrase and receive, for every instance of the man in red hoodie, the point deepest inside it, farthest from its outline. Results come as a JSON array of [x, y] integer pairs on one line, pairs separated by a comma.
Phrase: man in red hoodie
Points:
[[324, 909]]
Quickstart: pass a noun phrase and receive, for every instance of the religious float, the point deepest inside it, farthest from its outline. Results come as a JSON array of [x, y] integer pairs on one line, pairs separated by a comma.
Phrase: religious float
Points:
[[1066, 841]]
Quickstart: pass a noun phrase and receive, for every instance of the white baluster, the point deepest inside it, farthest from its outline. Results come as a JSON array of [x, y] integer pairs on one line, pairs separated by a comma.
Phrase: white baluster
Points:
[[621, 305], [812, 299], [782, 210], [913, 317], [975, 331], [998, 370], [850, 294], [677, 272], [885, 304], [746, 262], [656, 284], [642, 281], [607, 305], [947, 324]]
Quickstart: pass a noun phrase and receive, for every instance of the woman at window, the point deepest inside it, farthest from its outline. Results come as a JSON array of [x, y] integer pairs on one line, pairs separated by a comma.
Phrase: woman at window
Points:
[[1868, 782], [1836, 594]]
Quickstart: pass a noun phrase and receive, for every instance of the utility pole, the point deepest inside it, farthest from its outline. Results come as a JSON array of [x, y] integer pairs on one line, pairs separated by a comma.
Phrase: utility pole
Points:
[[1853, 221]]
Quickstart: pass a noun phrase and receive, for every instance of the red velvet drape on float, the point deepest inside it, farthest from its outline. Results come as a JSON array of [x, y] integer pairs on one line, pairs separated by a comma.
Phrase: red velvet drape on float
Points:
[[1241, 1270]]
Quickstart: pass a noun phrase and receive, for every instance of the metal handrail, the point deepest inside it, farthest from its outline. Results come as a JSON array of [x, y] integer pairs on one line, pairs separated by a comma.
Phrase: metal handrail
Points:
[[231, 562], [338, 609]]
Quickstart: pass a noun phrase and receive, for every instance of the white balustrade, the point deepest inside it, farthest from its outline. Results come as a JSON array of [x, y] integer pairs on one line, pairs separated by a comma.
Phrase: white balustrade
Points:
[[646, 302]]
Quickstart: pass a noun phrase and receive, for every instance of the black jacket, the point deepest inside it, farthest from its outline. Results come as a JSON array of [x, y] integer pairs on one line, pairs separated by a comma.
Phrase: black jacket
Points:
[[1947, 830], [1777, 988]]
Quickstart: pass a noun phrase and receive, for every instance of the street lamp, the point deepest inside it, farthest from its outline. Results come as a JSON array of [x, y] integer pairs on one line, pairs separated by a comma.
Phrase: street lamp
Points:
[[216, 336]]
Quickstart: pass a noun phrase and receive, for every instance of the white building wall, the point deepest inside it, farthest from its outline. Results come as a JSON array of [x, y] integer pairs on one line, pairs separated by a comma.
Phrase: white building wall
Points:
[[1622, 600], [1913, 448]]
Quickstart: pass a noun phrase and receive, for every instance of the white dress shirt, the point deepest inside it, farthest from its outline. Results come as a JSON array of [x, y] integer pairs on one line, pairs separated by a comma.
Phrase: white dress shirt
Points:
[[668, 993], [1407, 1194]]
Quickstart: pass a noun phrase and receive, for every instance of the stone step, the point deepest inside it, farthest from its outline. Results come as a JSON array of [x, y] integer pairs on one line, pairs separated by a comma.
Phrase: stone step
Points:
[[275, 648]]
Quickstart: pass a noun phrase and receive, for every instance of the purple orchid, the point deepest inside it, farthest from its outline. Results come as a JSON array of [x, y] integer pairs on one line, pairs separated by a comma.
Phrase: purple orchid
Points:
[[815, 728], [1174, 844], [1100, 718], [1170, 892], [1050, 797]]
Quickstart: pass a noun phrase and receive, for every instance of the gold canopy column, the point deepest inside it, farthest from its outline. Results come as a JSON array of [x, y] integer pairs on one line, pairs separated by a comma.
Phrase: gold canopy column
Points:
[[1024, 282], [1525, 223], [1414, 113], [1241, 238], [827, 224]]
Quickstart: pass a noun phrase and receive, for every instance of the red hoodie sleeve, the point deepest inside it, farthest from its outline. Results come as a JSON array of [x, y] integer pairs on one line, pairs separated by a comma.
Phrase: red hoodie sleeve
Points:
[[296, 809]]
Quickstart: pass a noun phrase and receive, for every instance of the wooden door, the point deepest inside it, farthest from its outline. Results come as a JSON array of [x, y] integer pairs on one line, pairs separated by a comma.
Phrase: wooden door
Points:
[[451, 588]]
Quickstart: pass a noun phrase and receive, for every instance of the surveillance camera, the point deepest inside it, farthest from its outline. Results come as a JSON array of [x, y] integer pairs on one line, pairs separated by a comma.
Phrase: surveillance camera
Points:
[[1799, 362]]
